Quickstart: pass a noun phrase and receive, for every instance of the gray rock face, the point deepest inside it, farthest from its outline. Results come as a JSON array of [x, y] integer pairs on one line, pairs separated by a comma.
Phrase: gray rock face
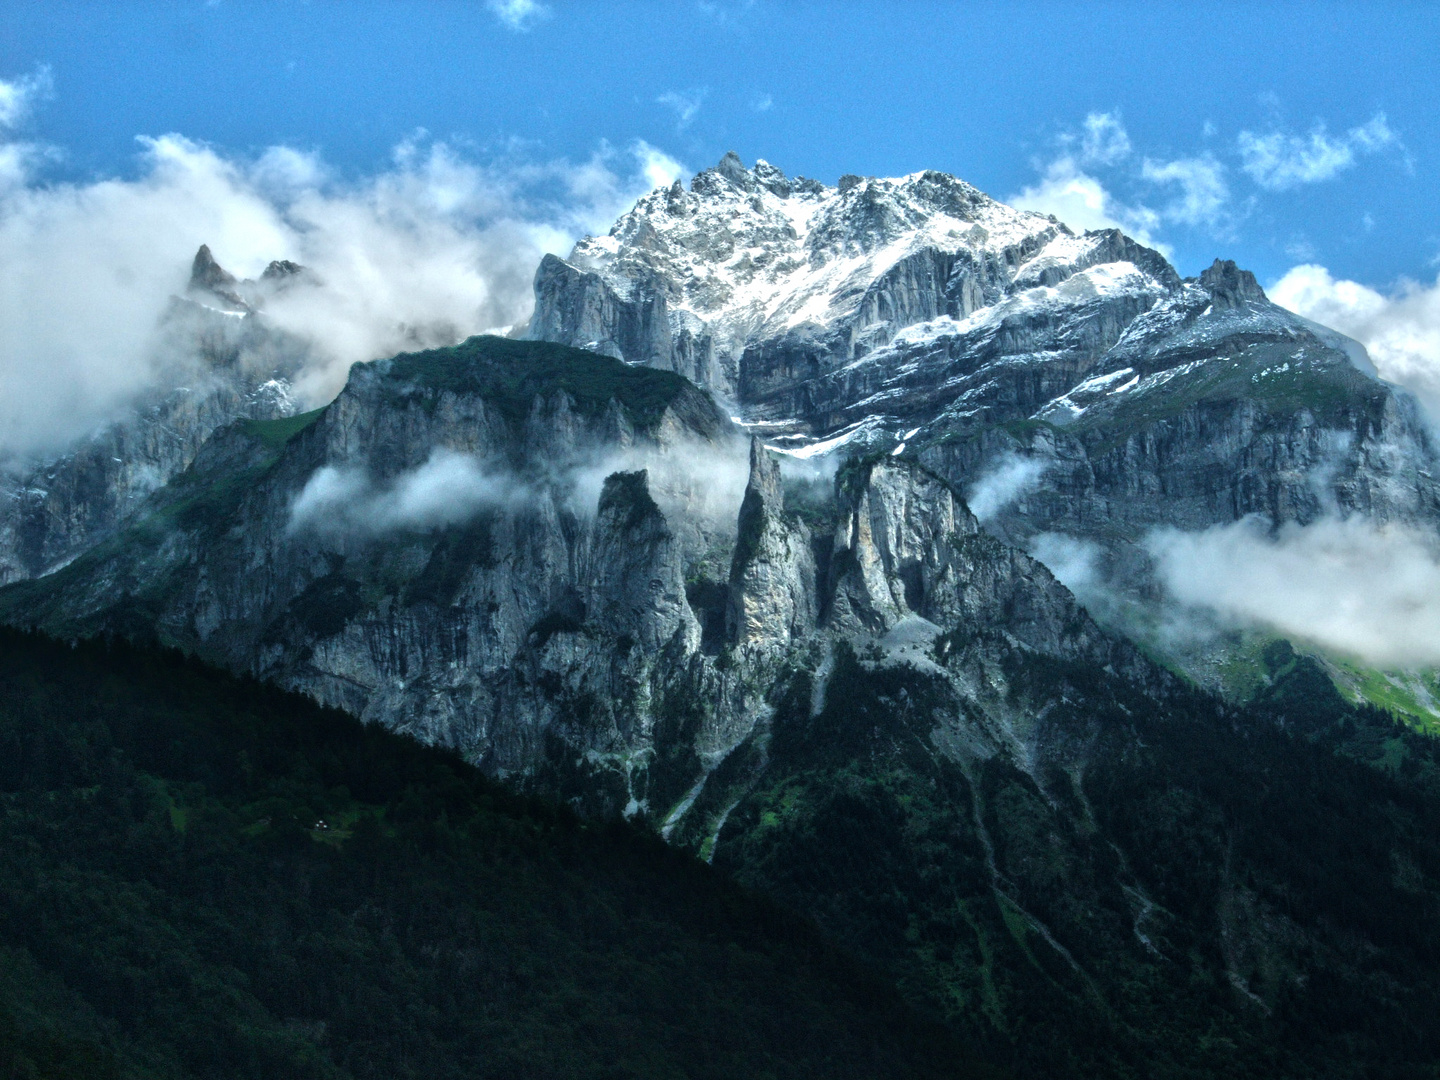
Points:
[[550, 631], [227, 366], [917, 311], [920, 309], [772, 574], [751, 283]]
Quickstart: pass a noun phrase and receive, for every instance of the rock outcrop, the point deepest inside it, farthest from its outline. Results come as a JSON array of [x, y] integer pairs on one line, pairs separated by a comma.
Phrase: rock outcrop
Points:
[[225, 365], [918, 316]]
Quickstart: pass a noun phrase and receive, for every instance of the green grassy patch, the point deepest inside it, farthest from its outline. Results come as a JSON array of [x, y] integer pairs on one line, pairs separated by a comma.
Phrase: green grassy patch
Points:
[[276, 433], [511, 374]]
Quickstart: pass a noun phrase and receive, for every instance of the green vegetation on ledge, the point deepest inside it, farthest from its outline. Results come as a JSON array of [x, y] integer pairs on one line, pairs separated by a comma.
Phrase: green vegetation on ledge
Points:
[[511, 374]]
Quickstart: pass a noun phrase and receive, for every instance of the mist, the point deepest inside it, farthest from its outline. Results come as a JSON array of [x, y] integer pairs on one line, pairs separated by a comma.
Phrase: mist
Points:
[[698, 485], [428, 251], [694, 482], [1350, 585], [1003, 483], [449, 489]]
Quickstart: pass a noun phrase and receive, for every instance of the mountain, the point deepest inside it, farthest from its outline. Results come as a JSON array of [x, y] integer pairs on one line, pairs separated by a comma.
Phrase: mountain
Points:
[[920, 312], [232, 366], [203, 877], [718, 573]]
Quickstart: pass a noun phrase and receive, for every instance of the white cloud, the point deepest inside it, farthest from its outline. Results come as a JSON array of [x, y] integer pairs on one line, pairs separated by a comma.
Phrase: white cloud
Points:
[[1278, 161], [1372, 591], [18, 96], [763, 103], [1082, 202], [518, 15], [1203, 191], [1401, 331], [685, 103], [659, 168], [449, 489], [432, 249], [698, 485], [1005, 481], [1104, 140]]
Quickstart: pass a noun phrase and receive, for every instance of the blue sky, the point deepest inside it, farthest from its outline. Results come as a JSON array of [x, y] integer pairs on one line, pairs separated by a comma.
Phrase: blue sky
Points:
[[987, 91], [422, 156]]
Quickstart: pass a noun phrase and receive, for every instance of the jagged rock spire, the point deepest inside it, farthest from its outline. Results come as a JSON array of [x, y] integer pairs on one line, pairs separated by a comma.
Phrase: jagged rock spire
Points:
[[733, 169], [206, 273], [1230, 286], [772, 575]]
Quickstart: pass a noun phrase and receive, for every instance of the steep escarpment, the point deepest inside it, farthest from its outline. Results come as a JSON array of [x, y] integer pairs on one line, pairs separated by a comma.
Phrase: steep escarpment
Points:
[[1092, 394], [223, 363]]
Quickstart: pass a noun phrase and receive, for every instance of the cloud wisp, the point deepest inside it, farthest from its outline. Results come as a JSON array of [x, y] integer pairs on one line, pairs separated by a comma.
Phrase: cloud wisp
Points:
[[1083, 202], [1401, 331], [1367, 590], [1278, 160], [1099, 180], [684, 103], [19, 96], [1006, 481], [518, 15], [1070, 189], [450, 488], [698, 485], [432, 248], [1203, 192]]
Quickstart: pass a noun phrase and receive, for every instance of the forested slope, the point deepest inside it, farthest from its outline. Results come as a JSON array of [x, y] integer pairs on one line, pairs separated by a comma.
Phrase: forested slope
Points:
[[205, 877]]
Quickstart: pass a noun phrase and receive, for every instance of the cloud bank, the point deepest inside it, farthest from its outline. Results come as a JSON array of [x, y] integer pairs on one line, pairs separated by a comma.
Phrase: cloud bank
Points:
[[1401, 331], [429, 250], [1372, 591]]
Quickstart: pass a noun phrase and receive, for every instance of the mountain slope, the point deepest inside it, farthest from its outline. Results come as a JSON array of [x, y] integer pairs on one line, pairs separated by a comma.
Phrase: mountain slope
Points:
[[204, 877], [224, 362], [838, 682], [1077, 382]]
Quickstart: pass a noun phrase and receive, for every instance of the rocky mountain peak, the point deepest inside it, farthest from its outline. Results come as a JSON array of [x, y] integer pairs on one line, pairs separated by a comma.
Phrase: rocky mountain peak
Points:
[[280, 269], [733, 169], [1230, 286], [206, 273], [213, 285], [689, 280]]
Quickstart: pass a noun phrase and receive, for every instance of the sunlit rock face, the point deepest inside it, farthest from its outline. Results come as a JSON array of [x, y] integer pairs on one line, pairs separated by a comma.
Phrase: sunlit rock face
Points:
[[1074, 384], [224, 364]]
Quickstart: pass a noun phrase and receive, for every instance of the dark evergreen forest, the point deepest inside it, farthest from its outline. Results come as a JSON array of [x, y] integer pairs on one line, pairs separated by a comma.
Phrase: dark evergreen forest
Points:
[[203, 876]]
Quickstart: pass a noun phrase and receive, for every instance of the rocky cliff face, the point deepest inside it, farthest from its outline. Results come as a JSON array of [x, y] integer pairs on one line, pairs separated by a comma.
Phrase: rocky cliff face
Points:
[[447, 551], [225, 364], [920, 317]]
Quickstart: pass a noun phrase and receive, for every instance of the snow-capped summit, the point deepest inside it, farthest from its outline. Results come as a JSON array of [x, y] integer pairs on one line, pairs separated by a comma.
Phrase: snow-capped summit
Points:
[[690, 279], [918, 316]]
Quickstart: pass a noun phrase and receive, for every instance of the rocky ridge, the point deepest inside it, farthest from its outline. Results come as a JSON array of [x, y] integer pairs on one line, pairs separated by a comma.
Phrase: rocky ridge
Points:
[[920, 317], [225, 363]]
